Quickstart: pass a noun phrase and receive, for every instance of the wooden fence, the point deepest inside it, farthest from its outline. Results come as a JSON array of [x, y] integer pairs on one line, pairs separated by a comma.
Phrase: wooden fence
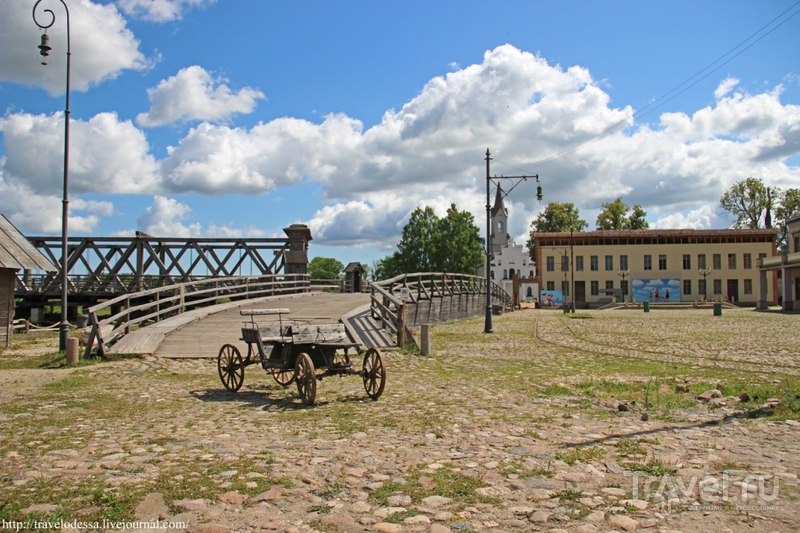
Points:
[[164, 302], [410, 300]]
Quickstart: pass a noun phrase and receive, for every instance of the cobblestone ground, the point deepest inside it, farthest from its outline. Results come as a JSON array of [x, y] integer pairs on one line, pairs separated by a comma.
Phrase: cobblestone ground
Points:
[[549, 424]]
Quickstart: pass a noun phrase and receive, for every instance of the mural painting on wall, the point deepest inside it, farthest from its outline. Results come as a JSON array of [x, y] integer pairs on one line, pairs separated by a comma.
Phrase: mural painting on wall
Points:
[[656, 290], [552, 299]]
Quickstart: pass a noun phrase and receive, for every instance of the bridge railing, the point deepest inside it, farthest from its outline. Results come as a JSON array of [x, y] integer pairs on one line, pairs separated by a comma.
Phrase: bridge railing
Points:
[[390, 297], [164, 302]]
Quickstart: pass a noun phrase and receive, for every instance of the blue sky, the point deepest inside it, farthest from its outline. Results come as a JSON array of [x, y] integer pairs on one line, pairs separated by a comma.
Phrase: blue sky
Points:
[[195, 117]]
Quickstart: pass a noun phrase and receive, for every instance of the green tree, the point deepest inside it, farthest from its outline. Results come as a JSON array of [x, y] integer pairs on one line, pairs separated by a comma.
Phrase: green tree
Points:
[[618, 215], [417, 249], [325, 268], [433, 244], [637, 220], [788, 207], [459, 248], [385, 268], [556, 217], [747, 201]]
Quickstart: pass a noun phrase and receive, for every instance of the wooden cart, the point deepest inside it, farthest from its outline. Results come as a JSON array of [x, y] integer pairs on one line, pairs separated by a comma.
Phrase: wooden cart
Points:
[[299, 353]]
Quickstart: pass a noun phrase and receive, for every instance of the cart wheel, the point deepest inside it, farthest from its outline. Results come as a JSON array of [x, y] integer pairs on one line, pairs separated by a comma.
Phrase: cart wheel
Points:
[[230, 367], [284, 377], [374, 373], [306, 379]]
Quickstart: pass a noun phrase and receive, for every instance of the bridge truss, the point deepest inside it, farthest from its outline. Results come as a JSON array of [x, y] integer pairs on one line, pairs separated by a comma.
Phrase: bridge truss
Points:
[[103, 266]]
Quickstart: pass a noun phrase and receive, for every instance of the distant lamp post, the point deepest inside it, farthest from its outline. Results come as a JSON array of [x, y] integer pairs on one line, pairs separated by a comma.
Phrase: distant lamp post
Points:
[[44, 51], [487, 327], [623, 273], [704, 272]]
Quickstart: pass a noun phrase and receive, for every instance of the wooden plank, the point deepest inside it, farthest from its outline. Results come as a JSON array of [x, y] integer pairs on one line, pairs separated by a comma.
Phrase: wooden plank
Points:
[[320, 333], [258, 312]]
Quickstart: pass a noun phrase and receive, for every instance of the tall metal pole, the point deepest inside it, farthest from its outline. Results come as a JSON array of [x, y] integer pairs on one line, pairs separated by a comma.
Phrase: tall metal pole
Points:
[[487, 325], [572, 267], [518, 179], [64, 325]]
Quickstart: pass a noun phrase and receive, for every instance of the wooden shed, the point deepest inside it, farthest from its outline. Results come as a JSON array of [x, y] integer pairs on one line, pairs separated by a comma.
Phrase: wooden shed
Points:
[[353, 277], [15, 253]]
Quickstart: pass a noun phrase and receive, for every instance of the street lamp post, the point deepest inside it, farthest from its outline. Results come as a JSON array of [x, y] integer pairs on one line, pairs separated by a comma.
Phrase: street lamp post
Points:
[[623, 273], [487, 327], [704, 272], [44, 50]]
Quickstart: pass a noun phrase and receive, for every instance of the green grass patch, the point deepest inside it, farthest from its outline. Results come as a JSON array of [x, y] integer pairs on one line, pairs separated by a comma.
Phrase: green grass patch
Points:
[[584, 454]]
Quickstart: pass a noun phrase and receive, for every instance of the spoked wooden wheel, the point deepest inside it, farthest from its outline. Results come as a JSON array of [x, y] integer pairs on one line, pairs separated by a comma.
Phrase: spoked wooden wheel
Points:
[[230, 367], [306, 379], [284, 377], [374, 373]]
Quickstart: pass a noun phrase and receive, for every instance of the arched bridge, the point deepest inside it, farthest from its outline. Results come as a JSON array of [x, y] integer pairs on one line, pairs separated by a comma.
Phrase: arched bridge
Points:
[[383, 318]]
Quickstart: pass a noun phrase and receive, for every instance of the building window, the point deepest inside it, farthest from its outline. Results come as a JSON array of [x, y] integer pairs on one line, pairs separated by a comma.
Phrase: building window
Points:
[[595, 287], [609, 285], [716, 261], [662, 262], [564, 263], [748, 286], [687, 262], [701, 287], [732, 261], [565, 287], [717, 286], [551, 263], [701, 261], [593, 263], [623, 262], [624, 286], [531, 273], [796, 243], [492, 274], [609, 262], [579, 263], [687, 286], [747, 261], [551, 285], [505, 274], [648, 262]]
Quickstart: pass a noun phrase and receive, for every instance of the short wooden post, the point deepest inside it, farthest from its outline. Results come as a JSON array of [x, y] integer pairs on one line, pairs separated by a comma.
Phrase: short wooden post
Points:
[[72, 351], [425, 339], [401, 326]]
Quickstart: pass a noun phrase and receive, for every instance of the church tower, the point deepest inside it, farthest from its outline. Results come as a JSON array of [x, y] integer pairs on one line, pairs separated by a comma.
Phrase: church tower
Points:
[[500, 236]]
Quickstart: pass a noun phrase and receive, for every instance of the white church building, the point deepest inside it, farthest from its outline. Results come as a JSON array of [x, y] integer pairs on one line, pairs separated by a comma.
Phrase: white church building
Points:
[[512, 267]]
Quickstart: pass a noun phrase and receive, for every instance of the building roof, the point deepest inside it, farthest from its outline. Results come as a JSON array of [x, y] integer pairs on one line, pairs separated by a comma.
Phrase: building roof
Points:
[[498, 203], [657, 236], [16, 252], [352, 267]]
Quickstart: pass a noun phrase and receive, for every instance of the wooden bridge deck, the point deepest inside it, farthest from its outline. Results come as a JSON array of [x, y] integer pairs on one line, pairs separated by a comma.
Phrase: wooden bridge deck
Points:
[[201, 333]]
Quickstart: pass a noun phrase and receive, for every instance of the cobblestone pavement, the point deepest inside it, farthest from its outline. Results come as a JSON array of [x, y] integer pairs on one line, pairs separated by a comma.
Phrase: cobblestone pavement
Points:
[[550, 424]]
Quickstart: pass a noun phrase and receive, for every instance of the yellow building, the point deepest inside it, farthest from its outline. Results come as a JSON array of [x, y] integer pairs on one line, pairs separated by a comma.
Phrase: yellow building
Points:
[[655, 265]]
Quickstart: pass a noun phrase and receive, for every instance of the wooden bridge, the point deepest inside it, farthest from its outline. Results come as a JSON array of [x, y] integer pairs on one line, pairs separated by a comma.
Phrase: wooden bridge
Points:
[[383, 318]]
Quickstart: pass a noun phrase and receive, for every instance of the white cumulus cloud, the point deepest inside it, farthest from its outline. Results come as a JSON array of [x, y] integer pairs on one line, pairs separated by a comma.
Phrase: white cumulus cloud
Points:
[[192, 94], [102, 46], [159, 10], [164, 218], [106, 155]]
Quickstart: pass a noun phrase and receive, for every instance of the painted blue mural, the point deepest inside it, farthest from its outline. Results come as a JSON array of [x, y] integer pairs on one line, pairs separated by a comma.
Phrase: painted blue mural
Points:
[[552, 299], [656, 290]]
